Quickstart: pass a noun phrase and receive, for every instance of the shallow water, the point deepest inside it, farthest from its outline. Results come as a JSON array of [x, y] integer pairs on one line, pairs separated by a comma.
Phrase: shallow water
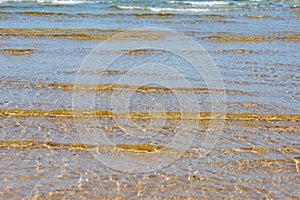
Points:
[[49, 150]]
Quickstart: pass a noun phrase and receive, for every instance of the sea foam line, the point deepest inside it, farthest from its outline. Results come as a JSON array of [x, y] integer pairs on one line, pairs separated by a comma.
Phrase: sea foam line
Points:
[[158, 9], [201, 3]]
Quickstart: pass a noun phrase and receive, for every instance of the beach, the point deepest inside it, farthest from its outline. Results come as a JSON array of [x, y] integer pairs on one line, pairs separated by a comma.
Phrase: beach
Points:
[[152, 123]]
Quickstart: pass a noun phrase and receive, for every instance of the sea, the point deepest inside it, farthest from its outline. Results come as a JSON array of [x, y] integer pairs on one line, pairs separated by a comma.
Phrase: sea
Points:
[[157, 99]]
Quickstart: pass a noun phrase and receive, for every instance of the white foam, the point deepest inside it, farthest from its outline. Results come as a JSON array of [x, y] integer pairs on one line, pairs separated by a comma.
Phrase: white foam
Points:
[[201, 3], [157, 9]]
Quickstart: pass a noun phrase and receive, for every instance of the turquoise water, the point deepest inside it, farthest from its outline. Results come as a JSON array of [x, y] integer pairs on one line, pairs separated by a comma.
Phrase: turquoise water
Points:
[[254, 44]]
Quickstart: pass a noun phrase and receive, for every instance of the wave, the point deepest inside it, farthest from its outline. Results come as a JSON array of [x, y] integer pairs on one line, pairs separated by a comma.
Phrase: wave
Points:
[[201, 3], [84, 14], [57, 2], [157, 9], [112, 14], [70, 2], [174, 9]]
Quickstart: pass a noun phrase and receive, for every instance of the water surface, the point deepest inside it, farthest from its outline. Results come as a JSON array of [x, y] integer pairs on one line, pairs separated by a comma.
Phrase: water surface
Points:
[[255, 45]]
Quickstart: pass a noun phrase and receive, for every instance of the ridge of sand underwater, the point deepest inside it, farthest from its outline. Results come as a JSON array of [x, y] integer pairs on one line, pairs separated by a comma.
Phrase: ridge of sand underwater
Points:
[[112, 87], [256, 38], [18, 52], [22, 52], [70, 15], [80, 146], [149, 148], [99, 34], [83, 34], [145, 115]]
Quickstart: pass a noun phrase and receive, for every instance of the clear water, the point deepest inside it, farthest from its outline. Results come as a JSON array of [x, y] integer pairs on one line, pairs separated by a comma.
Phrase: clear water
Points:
[[254, 44]]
